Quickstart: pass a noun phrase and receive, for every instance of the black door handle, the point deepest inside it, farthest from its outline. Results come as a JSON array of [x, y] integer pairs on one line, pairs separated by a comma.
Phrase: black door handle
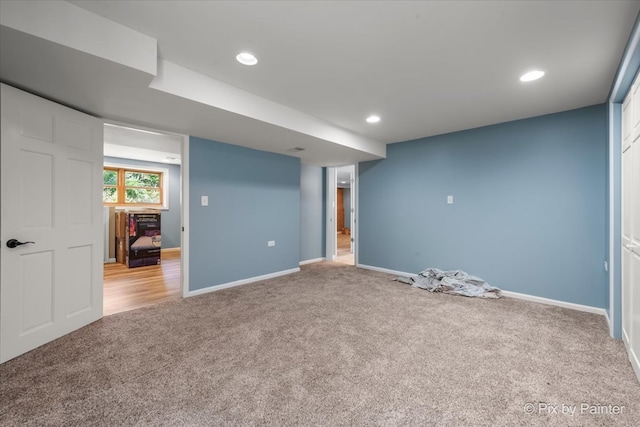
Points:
[[13, 243]]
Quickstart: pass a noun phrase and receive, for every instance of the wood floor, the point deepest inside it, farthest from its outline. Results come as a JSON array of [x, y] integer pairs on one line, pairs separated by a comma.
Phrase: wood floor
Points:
[[344, 254], [129, 288]]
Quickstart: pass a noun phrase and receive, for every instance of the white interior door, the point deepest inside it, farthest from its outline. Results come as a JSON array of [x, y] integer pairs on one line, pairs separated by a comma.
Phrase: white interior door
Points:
[[51, 197], [631, 225], [331, 228]]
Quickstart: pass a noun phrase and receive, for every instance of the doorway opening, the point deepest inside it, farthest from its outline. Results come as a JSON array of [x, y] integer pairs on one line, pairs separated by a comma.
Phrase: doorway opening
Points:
[[142, 176], [344, 224]]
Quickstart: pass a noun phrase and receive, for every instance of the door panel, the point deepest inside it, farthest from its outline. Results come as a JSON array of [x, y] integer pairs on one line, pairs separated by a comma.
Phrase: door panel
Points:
[[79, 176], [36, 300], [633, 195], [627, 177], [36, 124], [78, 294], [626, 292], [78, 136], [36, 176], [51, 195]]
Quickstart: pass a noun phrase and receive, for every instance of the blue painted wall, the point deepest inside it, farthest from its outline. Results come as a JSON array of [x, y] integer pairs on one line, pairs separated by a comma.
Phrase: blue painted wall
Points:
[[311, 213], [254, 196], [528, 213], [170, 218]]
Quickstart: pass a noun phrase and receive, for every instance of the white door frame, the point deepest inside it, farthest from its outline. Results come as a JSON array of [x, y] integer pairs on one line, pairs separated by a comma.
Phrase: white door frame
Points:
[[184, 201], [331, 214], [355, 197], [331, 247], [615, 144], [352, 210], [184, 217]]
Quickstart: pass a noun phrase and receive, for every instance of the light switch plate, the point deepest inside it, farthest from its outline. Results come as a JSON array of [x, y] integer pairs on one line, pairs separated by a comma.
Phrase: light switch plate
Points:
[[204, 200], [449, 200]]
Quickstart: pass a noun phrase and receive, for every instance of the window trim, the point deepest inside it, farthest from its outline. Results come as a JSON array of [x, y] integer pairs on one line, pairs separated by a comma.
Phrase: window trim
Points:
[[136, 168]]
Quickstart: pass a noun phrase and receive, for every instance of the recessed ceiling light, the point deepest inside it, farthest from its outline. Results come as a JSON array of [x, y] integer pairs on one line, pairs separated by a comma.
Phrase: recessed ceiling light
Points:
[[373, 119], [247, 58], [531, 75]]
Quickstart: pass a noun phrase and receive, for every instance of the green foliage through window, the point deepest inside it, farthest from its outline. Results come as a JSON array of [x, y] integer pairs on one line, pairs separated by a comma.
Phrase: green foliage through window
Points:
[[110, 177], [141, 179], [110, 195], [131, 187], [142, 196]]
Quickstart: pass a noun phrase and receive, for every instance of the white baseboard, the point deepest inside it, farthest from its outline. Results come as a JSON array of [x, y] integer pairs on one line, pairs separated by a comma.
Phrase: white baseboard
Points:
[[625, 338], [633, 359], [311, 261], [386, 270], [609, 323], [240, 282], [548, 301], [509, 294]]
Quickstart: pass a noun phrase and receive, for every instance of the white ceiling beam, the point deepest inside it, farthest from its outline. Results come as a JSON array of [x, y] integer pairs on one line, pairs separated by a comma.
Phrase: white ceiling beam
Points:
[[185, 83], [68, 25]]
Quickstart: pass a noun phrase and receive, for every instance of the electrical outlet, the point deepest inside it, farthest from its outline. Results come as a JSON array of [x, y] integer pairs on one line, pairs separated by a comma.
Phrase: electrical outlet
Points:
[[449, 200], [271, 243]]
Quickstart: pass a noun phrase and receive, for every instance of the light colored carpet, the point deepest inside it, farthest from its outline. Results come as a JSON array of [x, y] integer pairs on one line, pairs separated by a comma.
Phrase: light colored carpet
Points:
[[331, 345]]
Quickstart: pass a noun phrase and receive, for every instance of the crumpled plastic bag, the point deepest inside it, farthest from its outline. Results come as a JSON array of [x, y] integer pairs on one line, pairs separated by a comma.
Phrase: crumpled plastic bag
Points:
[[456, 282]]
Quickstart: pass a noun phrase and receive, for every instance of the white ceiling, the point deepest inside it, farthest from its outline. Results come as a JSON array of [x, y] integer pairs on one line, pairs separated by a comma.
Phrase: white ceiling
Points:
[[142, 144], [425, 67]]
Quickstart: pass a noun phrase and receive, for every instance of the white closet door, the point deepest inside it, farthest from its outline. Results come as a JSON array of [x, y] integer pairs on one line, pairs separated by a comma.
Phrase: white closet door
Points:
[[633, 276], [631, 225]]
